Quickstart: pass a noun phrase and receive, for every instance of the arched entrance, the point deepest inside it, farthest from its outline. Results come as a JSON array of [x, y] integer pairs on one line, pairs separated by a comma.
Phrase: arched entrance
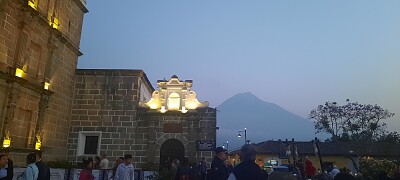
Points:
[[171, 149]]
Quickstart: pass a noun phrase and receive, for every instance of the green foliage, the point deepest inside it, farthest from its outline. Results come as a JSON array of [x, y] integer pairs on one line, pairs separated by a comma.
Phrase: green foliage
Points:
[[62, 164], [353, 122], [371, 169]]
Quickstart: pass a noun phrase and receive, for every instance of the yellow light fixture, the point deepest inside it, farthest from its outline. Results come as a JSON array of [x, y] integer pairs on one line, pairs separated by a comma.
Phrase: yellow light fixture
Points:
[[192, 104], [184, 110], [6, 143], [54, 22], [19, 72], [154, 103], [33, 4], [38, 145], [163, 110], [46, 85]]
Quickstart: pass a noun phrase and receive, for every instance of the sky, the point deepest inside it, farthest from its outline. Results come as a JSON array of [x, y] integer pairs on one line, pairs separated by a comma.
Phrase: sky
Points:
[[296, 54]]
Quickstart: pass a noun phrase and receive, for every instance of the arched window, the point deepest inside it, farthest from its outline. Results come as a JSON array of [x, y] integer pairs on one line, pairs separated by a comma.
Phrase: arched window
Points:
[[174, 101]]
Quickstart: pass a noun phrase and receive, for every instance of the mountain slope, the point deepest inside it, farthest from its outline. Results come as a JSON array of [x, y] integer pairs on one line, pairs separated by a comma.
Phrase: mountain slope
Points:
[[263, 120]]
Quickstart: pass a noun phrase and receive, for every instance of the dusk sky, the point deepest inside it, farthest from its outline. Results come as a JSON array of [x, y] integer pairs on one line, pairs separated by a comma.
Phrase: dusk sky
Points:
[[296, 54]]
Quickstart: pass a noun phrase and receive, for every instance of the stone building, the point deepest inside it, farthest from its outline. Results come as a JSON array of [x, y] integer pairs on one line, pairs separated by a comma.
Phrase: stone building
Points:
[[39, 50], [118, 111]]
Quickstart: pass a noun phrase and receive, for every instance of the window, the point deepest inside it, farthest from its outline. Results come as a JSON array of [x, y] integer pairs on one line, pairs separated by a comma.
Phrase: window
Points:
[[174, 101], [89, 143]]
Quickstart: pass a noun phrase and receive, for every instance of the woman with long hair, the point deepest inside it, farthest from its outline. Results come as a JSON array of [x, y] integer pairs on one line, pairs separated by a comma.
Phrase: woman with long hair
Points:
[[86, 173]]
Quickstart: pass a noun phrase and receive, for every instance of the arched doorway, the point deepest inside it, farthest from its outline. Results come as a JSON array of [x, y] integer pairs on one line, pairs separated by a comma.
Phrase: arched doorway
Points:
[[171, 149]]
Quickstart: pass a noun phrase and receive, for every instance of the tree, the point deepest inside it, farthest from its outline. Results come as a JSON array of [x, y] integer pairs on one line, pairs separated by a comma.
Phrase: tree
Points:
[[352, 121], [329, 119]]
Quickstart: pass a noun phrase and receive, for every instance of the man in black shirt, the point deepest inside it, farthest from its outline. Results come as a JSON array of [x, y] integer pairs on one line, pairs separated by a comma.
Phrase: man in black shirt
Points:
[[44, 170], [248, 169], [218, 169]]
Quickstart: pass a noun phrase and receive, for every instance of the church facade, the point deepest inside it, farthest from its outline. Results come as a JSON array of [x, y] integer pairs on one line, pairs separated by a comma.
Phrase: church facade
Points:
[[39, 50]]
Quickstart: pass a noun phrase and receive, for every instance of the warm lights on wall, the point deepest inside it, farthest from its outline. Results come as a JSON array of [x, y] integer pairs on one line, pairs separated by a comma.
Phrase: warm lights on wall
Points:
[[54, 22], [154, 103], [184, 110], [6, 143], [46, 85], [163, 110], [19, 72], [174, 95], [38, 145], [193, 104], [33, 4]]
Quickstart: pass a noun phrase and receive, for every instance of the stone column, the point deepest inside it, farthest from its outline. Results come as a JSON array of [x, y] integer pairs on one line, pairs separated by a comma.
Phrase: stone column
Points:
[[13, 96], [43, 102], [52, 45]]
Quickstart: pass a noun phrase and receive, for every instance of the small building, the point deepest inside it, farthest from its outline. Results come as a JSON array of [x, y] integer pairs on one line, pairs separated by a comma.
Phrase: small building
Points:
[[116, 112]]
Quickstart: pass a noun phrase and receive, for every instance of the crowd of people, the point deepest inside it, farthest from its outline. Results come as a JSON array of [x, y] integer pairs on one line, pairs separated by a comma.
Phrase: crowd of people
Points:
[[122, 170], [221, 169], [36, 169]]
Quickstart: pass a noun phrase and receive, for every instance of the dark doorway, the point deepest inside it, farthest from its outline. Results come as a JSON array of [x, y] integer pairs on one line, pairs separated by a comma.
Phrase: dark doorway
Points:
[[171, 149]]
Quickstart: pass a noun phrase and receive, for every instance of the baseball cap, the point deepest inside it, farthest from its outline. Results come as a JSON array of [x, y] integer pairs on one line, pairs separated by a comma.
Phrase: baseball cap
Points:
[[219, 149]]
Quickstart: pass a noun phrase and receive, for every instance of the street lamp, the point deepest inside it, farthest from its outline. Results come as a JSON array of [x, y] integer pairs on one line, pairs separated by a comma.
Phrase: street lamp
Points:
[[227, 146], [245, 135]]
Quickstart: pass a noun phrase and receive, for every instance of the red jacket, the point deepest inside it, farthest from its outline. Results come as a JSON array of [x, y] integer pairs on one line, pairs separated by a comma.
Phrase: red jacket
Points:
[[86, 175], [310, 169]]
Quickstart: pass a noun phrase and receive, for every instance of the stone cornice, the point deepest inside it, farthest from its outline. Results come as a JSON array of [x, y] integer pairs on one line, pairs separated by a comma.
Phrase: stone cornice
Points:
[[26, 82], [80, 4]]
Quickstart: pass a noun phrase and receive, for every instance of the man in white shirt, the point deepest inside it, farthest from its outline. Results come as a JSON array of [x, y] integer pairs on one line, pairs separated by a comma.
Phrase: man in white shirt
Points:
[[334, 172], [125, 171], [104, 162]]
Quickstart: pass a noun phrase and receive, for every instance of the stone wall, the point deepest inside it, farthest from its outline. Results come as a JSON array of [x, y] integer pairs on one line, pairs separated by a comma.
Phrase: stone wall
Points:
[[45, 54], [107, 102]]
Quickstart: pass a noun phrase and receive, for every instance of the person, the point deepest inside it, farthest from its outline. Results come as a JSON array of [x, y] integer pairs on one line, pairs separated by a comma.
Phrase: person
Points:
[[86, 173], [118, 161], [96, 162], [31, 172], [125, 171], [104, 162], [334, 171], [202, 169], [9, 168], [3, 166], [44, 170], [310, 169], [174, 167], [248, 169], [228, 165], [183, 172], [103, 166], [218, 169], [300, 166]]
